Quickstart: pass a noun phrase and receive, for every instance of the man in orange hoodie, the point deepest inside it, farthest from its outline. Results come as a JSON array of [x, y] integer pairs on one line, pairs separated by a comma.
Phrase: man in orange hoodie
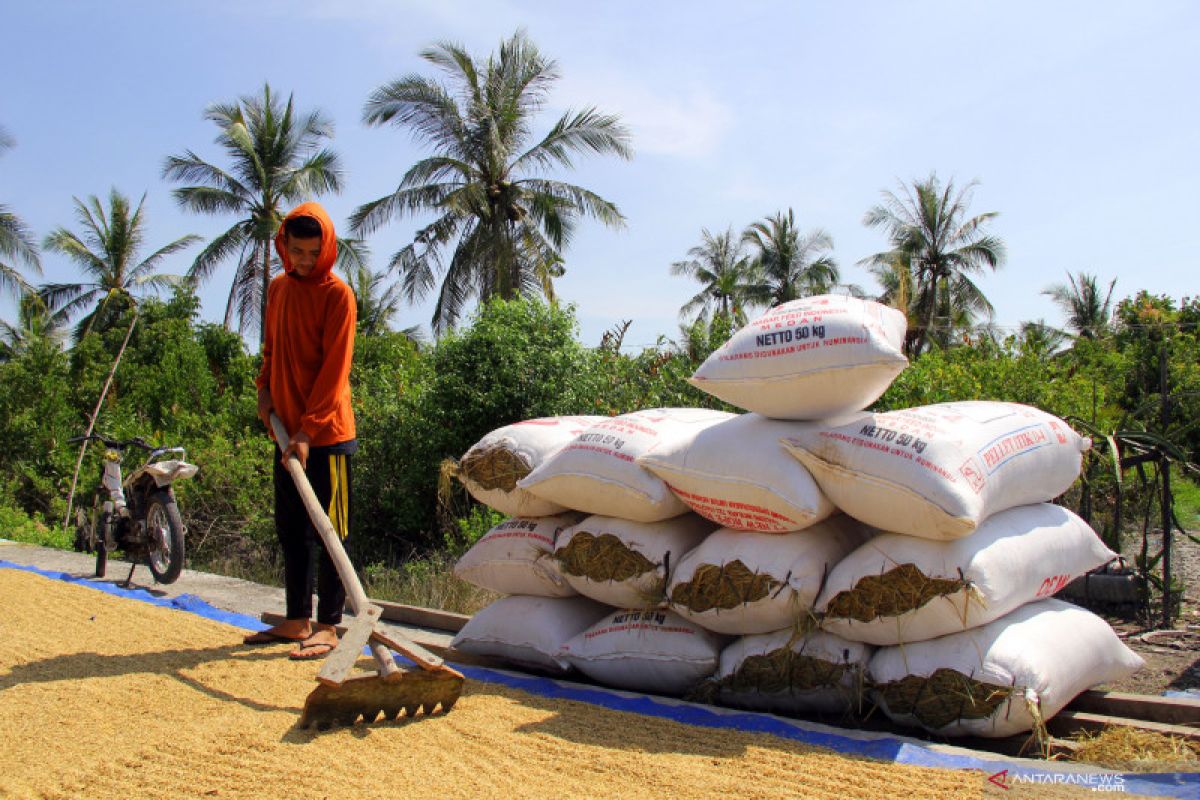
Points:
[[308, 342]]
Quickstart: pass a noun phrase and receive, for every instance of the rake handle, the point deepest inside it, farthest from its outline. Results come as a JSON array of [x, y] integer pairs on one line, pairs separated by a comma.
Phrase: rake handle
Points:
[[333, 544]]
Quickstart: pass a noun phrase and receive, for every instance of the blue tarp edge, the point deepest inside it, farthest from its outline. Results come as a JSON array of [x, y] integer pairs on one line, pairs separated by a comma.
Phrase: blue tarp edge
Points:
[[1168, 784]]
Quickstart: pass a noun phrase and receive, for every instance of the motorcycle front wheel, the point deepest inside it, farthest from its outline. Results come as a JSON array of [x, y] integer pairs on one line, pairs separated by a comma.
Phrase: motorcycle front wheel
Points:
[[164, 532]]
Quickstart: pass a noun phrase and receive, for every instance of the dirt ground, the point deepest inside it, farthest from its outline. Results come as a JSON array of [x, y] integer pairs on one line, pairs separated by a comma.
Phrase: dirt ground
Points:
[[1172, 654]]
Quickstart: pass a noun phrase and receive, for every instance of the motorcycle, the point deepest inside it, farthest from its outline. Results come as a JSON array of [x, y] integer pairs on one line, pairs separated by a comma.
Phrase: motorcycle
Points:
[[136, 514]]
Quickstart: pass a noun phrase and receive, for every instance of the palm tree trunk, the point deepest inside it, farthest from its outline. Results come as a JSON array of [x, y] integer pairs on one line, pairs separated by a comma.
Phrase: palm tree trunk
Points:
[[266, 282]]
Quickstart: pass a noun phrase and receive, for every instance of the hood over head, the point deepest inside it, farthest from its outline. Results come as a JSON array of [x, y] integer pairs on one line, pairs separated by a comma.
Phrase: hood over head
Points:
[[328, 253]]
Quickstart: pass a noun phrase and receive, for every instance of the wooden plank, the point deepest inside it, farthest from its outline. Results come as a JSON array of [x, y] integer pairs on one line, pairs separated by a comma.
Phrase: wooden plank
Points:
[[337, 665], [422, 617], [407, 647], [1168, 710], [1067, 723]]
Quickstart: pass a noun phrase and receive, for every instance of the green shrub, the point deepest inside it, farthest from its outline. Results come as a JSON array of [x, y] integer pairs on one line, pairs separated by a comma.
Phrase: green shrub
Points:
[[18, 526]]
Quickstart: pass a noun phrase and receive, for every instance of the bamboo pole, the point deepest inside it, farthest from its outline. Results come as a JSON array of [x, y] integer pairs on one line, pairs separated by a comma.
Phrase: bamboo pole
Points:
[[95, 415]]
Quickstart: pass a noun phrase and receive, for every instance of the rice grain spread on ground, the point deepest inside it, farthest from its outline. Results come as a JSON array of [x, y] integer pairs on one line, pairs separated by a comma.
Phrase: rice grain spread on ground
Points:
[[108, 697]]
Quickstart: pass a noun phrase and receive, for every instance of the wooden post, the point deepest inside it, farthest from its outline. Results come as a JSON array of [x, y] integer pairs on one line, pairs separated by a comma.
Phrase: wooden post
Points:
[[1167, 501]]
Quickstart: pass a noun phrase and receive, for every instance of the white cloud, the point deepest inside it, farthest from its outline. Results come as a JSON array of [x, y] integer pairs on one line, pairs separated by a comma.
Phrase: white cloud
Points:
[[683, 123]]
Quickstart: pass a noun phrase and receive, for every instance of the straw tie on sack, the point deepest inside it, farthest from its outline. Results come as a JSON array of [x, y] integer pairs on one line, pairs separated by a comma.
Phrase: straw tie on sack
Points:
[[602, 558], [783, 670], [891, 594], [497, 467], [942, 698], [722, 586]]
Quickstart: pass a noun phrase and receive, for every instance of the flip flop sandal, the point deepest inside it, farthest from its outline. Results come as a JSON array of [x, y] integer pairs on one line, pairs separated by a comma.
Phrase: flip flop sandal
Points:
[[268, 637], [300, 655]]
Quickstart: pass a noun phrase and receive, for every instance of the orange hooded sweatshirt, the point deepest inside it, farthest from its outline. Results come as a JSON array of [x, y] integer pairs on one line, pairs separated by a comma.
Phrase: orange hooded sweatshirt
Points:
[[308, 342]]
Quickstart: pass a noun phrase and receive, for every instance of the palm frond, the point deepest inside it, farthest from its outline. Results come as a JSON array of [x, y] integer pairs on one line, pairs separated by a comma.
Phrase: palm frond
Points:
[[586, 131], [421, 105], [584, 201], [207, 200], [150, 263], [369, 217], [218, 250], [190, 168], [17, 242]]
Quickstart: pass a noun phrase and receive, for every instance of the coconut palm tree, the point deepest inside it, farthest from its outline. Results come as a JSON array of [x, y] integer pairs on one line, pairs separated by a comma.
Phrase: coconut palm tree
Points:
[[1087, 314], [1040, 339], [16, 243], [107, 252], [276, 160], [727, 276], [895, 278], [35, 323], [791, 264], [377, 304], [942, 249], [501, 225]]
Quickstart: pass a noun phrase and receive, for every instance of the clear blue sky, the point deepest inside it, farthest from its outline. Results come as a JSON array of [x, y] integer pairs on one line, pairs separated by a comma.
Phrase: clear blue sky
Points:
[[1080, 121]]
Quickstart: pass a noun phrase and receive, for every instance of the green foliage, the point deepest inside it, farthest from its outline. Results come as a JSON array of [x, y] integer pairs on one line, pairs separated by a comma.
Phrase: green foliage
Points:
[[37, 417], [427, 581], [1073, 385], [470, 529], [1187, 502], [18, 526], [1150, 327], [518, 360]]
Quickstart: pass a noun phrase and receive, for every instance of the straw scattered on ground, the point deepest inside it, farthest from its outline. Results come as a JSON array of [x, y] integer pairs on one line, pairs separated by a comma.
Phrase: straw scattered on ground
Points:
[[107, 697], [1132, 750]]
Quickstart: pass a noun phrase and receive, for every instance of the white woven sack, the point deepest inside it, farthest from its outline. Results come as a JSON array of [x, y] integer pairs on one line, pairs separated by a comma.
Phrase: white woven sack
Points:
[[528, 631], [938, 471], [809, 359], [517, 557], [662, 544], [597, 471], [738, 475], [645, 651], [1013, 558], [492, 466], [1037, 659], [842, 663], [789, 568]]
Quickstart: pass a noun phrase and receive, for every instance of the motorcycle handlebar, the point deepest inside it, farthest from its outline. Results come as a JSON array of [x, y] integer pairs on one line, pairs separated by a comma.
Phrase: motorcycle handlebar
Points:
[[136, 441]]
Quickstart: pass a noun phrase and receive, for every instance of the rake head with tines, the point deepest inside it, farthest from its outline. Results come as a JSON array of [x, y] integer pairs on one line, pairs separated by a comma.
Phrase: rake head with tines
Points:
[[338, 700], [374, 698]]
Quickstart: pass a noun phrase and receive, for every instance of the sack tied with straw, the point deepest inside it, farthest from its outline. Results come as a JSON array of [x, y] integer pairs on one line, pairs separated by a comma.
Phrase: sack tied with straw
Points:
[[787, 672], [491, 468], [737, 582], [897, 588], [1001, 679], [623, 563]]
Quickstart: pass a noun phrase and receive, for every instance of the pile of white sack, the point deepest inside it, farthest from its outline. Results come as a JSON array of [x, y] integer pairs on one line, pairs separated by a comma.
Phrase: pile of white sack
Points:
[[805, 557]]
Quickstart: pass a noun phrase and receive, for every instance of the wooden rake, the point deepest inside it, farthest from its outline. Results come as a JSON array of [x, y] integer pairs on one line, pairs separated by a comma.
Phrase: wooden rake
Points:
[[339, 699]]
